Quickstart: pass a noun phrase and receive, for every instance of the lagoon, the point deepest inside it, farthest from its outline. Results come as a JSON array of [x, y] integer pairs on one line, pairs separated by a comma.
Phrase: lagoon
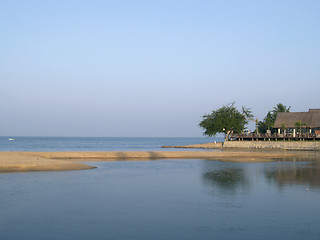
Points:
[[165, 199]]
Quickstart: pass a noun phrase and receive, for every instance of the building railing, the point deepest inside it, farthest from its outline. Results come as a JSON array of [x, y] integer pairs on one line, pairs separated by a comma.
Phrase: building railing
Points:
[[266, 136]]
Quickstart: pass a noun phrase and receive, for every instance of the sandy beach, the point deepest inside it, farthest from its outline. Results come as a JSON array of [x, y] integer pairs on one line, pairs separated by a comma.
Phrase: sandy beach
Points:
[[63, 161]]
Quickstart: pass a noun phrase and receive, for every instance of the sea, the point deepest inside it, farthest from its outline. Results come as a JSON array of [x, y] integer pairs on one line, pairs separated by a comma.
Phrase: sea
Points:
[[187, 199], [98, 143]]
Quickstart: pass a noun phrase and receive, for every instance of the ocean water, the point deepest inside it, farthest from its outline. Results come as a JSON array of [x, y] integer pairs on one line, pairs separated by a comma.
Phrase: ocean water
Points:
[[96, 143]]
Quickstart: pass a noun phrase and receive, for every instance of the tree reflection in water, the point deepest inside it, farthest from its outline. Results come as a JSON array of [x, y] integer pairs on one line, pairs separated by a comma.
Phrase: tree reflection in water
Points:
[[227, 177], [294, 173], [304, 169]]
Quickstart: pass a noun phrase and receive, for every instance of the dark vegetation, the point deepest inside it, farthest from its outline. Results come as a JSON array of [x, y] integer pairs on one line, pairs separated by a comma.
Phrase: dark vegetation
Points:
[[268, 121], [228, 119]]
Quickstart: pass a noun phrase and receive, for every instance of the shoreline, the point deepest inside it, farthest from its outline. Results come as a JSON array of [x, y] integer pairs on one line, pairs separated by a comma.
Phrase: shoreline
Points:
[[66, 161]]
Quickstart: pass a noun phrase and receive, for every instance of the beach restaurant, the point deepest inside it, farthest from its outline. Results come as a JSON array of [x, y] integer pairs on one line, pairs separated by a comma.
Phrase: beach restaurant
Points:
[[289, 126], [298, 124]]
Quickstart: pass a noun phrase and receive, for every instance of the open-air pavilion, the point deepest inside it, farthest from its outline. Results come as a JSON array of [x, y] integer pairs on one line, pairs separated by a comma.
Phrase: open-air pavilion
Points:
[[290, 126], [298, 124]]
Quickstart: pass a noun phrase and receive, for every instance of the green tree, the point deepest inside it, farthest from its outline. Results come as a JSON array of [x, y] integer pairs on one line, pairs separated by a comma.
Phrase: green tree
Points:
[[225, 120], [280, 108], [299, 125], [268, 121]]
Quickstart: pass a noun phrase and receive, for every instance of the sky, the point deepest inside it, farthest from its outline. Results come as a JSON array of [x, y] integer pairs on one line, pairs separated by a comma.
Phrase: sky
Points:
[[152, 68]]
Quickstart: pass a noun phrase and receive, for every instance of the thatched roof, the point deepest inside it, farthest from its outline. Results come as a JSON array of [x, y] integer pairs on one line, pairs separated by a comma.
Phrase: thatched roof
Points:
[[289, 119]]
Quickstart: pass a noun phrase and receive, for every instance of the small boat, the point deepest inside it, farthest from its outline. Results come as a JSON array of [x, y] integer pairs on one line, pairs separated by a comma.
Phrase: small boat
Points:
[[11, 139]]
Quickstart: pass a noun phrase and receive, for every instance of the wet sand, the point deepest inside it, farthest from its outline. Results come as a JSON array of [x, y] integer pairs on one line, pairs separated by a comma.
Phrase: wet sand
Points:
[[63, 161]]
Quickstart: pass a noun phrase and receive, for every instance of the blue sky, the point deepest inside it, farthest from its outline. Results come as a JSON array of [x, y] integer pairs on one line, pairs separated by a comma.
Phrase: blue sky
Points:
[[151, 68]]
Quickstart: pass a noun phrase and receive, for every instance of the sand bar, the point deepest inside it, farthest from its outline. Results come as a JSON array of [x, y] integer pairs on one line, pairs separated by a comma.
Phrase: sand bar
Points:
[[211, 145], [22, 162], [59, 161]]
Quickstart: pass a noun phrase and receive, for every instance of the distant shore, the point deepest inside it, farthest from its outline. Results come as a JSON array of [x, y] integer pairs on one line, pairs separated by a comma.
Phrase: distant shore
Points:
[[63, 161]]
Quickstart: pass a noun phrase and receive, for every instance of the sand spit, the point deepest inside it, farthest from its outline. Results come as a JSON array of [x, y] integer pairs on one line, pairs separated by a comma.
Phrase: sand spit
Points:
[[211, 145], [22, 162], [59, 161], [145, 155]]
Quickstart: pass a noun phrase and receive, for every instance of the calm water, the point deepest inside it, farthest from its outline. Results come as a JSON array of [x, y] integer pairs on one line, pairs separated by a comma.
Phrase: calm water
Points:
[[95, 143], [165, 199]]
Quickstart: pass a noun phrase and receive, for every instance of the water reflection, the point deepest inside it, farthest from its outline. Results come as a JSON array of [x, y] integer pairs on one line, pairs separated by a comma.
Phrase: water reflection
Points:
[[226, 177], [304, 169], [294, 173]]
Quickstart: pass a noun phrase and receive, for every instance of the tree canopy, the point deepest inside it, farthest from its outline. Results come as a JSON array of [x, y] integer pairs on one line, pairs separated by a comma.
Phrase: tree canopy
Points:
[[268, 121], [225, 120], [280, 108]]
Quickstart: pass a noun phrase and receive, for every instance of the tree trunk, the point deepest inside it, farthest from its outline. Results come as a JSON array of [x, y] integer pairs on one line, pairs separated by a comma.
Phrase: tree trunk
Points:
[[227, 136]]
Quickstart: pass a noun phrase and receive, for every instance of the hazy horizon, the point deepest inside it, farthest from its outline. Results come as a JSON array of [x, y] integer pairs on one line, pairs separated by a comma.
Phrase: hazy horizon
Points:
[[152, 69]]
